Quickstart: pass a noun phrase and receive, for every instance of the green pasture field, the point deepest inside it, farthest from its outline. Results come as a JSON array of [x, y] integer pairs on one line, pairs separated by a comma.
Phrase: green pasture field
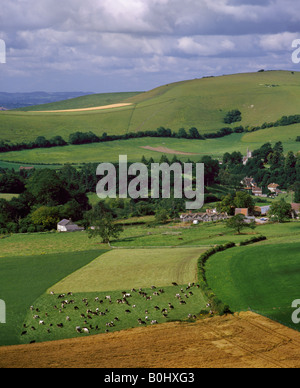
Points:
[[47, 243], [195, 305], [265, 279], [129, 268], [109, 275], [24, 279], [138, 236], [202, 103], [110, 151]]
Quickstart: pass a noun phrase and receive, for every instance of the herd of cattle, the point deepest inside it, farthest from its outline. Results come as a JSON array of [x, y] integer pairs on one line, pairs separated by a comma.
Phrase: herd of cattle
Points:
[[87, 310]]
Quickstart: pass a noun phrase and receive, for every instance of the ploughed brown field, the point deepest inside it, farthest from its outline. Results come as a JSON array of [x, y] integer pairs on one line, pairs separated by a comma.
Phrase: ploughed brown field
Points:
[[245, 340]]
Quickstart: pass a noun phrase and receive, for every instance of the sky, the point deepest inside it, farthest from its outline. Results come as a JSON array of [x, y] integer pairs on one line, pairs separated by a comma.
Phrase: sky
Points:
[[136, 45]]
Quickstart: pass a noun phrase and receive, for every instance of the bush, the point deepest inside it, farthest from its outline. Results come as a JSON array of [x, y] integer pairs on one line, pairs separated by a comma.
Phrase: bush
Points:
[[253, 240], [233, 117]]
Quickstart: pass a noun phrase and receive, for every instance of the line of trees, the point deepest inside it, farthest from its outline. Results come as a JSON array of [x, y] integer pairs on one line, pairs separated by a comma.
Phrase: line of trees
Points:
[[78, 138]]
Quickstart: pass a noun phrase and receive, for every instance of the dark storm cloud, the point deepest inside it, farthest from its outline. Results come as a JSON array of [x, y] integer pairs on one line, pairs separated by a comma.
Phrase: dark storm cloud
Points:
[[136, 40]]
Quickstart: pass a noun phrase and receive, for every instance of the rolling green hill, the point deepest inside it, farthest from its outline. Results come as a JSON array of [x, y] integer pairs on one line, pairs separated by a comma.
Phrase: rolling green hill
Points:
[[203, 103]]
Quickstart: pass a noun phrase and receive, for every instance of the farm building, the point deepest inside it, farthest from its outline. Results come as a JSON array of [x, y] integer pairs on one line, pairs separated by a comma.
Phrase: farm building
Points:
[[209, 216], [245, 212], [273, 187], [263, 210], [248, 183], [68, 226]]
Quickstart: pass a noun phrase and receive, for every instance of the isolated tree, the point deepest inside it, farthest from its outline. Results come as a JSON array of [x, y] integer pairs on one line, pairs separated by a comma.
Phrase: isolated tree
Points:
[[102, 223], [238, 223], [280, 211]]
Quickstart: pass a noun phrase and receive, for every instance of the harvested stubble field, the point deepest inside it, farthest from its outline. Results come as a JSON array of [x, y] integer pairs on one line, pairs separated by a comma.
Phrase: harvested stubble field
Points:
[[245, 340]]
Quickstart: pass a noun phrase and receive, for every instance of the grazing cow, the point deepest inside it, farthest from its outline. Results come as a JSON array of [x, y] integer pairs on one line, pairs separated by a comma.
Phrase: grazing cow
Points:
[[157, 308], [174, 284], [41, 322], [60, 325], [85, 330], [24, 333], [32, 328], [182, 302], [68, 318], [127, 311], [154, 322], [78, 329]]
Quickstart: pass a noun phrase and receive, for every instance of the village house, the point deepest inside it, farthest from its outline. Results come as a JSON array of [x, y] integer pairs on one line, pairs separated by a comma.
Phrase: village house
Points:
[[209, 216], [68, 226], [248, 183], [273, 187]]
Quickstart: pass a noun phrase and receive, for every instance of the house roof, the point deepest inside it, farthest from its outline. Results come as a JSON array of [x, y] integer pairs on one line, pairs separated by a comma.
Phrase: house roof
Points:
[[64, 222], [273, 186], [296, 207], [241, 211]]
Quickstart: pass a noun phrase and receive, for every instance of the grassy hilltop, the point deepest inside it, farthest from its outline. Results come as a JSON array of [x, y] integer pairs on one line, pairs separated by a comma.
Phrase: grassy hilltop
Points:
[[203, 103]]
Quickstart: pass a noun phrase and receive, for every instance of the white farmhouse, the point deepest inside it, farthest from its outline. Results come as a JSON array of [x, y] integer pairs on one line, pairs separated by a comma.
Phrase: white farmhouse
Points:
[[68, 226]]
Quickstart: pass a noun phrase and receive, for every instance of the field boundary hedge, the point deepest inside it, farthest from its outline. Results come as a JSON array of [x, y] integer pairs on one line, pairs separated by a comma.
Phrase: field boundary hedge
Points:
[[215, 303]]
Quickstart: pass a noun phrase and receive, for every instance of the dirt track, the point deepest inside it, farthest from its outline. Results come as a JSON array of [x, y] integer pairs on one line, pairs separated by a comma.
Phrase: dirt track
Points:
[[167, 150], [246, 340], [83, 109]]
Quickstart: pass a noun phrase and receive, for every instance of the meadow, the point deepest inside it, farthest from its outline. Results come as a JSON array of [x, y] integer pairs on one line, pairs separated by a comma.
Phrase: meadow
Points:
[[264, 279], [24, 279], [134, 148]]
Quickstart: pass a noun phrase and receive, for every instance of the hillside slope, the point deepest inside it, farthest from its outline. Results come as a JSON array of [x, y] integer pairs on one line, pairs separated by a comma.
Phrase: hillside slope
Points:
[[203, 103]]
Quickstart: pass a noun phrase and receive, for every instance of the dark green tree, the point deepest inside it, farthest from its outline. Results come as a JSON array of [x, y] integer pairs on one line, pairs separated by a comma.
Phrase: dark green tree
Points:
[[102, 223]]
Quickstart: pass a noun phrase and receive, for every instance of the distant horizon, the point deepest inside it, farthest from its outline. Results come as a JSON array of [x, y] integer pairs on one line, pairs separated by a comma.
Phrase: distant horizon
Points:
[[142, 91]]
